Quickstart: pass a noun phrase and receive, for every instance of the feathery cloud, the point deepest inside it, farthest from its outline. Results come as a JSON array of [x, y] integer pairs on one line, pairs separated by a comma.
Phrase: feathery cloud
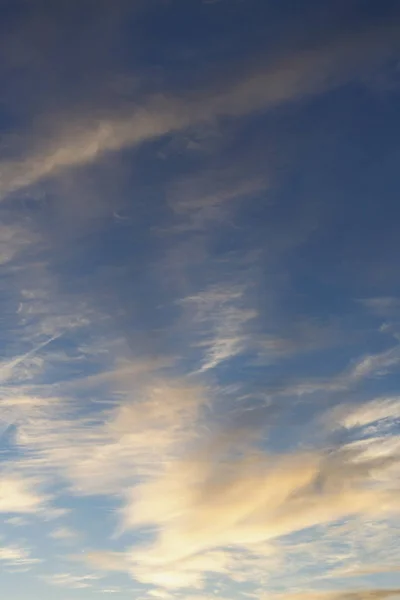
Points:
[[86, 139]]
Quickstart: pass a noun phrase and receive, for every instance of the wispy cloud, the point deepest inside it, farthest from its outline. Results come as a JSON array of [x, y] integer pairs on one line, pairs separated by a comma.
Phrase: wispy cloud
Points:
[[85, 138], [360, 370], [196, 499], [377, 415], [120, 444], [202, 510], [221, 316], [383, 306], [197, 203], [70, 580], [64, 534], [16, 556]]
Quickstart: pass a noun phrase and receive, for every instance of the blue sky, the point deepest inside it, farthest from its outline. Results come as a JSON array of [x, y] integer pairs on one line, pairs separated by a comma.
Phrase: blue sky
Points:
[[200, 299]]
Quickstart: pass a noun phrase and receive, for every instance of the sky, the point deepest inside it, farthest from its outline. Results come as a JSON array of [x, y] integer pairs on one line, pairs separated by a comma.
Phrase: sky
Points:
[[199, 299]]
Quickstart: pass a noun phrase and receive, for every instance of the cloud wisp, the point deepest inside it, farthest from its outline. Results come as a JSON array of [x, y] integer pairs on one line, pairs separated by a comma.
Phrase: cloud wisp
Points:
[[83, 139]]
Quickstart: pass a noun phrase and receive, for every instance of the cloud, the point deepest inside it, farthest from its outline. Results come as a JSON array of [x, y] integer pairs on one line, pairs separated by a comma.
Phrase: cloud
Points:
[[201, 507], [221, 318], [19, 495], [197, 202], [196, 499], [376, 415], [360, 370], [203, 495], [366, 570], [383, 306], [16, 556], [362, 594], [85, 139], [70, 580], [64, 534], [16, 521], [8, 368], [14, 240], [374, 364], [153, 444], [106, 561], [154, 420]]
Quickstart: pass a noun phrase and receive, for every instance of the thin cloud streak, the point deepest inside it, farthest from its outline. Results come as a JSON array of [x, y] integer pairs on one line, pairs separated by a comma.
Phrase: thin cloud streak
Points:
[[307, 73]]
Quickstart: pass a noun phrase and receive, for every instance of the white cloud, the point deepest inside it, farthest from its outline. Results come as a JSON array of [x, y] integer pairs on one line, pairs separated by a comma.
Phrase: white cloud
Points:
[[154, 419], [200, 508], [366, 569], [377, 414], [107, 561], [157, 451], [221, 318], [8, 369], [147, 446], [19, 495], [16, 521], [70, 580], [16, 556], [64, 534], [196, 498]]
